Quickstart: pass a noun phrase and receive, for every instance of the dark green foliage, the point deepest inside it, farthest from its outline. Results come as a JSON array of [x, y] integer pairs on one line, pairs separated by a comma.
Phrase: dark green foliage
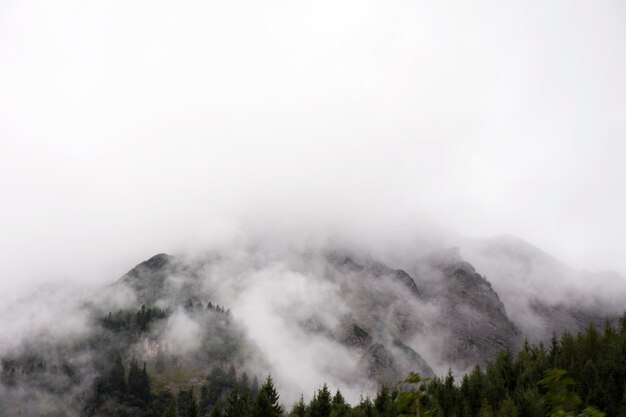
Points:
[[384, 402], [238, 405], [415, 400], [127, 320], [134, 379], [573, 376], [533, 383], [364, 408], [116, 379], [243, 385], [162, 402], [220, 382], [205, 403], [299, 408], [339, 407], [192, 407], [184, 400], [116, 395], [267, 401], [170, 411], [320, 405], [217, 308], [216, 412]]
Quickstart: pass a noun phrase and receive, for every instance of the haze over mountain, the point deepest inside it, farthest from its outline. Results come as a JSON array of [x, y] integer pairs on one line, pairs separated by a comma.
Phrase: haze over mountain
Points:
[[319, 311], [332, 176]]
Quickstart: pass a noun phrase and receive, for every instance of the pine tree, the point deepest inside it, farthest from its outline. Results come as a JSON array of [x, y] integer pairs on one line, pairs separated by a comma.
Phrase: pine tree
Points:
[[192, 407], [338, 399], [267, 400], [254, 389], [244, 384], [205, 403], [216, 412], [170, 411], [320, 405], [237, 405], [365, 408], [117, 377], [144, 385], [339, 407], [134, 379], [485, 410], [161, 401], [183, 400], [299, 408], [383, 403], [508, 408]]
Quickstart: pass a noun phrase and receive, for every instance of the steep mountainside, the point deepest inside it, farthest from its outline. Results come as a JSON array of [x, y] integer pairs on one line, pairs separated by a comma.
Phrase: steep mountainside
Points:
[[325, 314], [543, 295], [387, 317]]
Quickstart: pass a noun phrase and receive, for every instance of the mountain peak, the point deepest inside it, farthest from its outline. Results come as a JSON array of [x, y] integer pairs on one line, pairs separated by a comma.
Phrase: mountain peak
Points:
[[154, 264]]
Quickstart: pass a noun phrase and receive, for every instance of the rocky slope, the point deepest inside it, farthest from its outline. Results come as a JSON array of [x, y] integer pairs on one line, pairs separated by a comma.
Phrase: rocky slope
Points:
[[386, 317], [326, 314]]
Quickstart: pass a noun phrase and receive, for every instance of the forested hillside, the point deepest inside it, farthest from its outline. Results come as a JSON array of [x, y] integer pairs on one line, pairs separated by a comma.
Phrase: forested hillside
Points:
[[153, 345], [575, 375]]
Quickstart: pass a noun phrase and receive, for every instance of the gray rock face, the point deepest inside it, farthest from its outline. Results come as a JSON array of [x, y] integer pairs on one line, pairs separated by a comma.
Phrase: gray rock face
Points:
[[378, 322], [147, 279], [475, 317], [162, 276], [560, 318], [543, 295], [390, 316]]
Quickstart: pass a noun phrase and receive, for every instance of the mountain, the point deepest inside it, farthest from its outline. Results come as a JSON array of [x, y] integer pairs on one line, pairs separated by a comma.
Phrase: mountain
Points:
[[543, 295], [332, 314], [440, 312], [385, 316]]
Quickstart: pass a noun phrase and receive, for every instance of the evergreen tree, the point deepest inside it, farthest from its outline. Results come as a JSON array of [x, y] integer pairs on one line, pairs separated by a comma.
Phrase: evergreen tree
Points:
[[339, 407], [134, 379], [184, 399], [383, 403], [244, 384], [170, 411], [267, 400], [192, 407], [485, 410], [237, 405], [365, 408], [205, 403], [161, 402], [299, 408], [508, 408], [117, 378], [144, 391], [320, 405], [216, 412]]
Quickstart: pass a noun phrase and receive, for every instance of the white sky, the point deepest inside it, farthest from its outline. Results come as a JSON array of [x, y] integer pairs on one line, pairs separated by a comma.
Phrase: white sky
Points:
[[134, 127]]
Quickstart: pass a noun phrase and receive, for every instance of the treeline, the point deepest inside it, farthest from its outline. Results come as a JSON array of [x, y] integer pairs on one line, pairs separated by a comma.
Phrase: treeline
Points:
[[140, 320], [129, 320], [120, 393], [517, 385], [574, 376]]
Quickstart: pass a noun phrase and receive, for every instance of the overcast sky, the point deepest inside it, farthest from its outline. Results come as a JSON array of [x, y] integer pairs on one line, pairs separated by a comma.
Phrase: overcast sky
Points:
[[134, 127]]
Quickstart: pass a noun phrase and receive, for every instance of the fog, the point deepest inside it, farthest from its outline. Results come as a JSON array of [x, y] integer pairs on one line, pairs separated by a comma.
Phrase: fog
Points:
[[131, 128], [256, 129]]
